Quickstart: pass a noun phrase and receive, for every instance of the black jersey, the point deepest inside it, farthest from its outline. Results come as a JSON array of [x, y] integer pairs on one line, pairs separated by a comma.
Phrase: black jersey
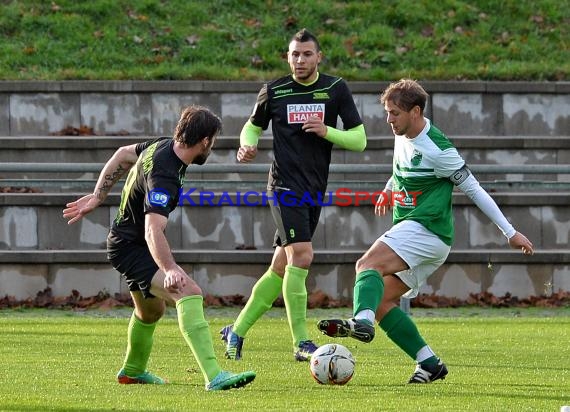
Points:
[[301, 159], [152, 186]]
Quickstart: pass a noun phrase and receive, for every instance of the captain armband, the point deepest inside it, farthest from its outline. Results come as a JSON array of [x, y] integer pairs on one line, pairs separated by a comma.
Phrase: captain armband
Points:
[[460, 175]]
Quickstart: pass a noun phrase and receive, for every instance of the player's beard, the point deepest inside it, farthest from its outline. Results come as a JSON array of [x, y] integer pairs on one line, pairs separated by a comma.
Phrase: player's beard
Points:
[[201, 158], [307, 74]]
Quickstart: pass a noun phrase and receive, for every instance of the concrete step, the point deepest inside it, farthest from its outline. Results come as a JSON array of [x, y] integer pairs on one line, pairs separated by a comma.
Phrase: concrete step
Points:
[[24, 273], [263, 256], [34, 221], [476, 150]]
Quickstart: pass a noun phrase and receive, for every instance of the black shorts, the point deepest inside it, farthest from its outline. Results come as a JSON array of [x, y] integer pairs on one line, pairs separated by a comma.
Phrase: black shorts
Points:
[[294, 223], [133, 261]]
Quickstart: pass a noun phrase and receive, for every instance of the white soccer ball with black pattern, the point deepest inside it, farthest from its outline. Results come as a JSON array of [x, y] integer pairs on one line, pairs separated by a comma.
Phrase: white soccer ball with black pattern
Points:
[[332, 364]]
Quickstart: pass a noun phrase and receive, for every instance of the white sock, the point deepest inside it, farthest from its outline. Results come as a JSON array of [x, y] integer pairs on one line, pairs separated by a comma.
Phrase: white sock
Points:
[[366, 314], [424, 353]]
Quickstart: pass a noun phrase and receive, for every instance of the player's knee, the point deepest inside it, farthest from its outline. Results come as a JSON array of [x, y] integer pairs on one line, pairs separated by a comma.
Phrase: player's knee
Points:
[[303, 260], [192, 289], [151, 315], [364, 263], [361, 265], [300, 256]]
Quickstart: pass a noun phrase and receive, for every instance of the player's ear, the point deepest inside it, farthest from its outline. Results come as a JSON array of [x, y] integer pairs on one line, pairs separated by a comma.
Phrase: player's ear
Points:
[[417, 112], [208, 142]]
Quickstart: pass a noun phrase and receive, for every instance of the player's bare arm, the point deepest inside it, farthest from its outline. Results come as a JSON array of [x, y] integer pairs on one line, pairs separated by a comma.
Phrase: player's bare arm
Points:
[[246, 153], [115, 168], [315, 125], [520, 241], [175, 277], [383, 204]]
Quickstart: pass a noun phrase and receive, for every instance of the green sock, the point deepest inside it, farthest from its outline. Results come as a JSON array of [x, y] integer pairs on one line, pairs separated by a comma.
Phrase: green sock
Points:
[[295, 296], [139, 345], [368, 291], [400, 328], [197, 335], [263, 294]]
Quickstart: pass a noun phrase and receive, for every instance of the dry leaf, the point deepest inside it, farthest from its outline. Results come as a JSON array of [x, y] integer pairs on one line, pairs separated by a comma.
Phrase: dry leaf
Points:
[[193, 39]]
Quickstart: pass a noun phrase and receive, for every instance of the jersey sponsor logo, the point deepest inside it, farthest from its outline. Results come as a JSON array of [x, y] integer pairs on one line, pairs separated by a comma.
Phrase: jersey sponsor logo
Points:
[[284, 91], [300, 113], [320, 96], [405, 199], [156, 197]]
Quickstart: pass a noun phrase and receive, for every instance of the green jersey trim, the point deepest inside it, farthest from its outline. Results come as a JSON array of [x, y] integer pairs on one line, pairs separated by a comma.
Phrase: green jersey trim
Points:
[[415, 169], [284, 94], [439, 139], [129, 182]]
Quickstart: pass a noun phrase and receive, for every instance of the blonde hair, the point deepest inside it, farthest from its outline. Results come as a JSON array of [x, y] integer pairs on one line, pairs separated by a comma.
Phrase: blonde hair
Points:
[[406, 94]]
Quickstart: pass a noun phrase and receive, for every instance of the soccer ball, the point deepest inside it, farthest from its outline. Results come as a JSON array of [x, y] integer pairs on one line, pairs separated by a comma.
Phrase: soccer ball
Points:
[[332, 364]]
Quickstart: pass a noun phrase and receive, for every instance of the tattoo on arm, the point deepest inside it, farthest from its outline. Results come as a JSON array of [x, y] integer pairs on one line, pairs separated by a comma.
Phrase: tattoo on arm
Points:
[[109, 181]]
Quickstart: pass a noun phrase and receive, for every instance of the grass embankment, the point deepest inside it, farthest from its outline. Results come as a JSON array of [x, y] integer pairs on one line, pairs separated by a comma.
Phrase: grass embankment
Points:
[[247, 40]]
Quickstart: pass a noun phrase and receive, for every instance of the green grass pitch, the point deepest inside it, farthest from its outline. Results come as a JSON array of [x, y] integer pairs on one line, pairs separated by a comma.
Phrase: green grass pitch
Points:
[[498, 360]]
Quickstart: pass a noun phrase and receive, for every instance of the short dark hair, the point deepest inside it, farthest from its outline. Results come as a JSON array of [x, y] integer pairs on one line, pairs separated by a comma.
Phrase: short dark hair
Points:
[[405, 93], [196, 124], [305, 35]]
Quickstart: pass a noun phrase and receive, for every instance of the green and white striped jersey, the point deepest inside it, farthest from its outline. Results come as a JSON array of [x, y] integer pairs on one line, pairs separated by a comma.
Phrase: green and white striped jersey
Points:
[[421, 187]]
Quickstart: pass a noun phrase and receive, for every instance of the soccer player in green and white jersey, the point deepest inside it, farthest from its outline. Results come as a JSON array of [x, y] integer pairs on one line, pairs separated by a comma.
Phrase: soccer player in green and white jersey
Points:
[[426, 168]]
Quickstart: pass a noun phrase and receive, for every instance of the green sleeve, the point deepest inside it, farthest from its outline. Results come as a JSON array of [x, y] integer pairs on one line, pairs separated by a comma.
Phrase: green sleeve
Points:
[[352, 139], [249, 135]]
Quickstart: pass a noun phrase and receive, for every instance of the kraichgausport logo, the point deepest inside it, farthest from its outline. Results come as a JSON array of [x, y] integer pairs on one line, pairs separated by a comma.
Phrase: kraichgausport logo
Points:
[[340, 197], [157, 197]]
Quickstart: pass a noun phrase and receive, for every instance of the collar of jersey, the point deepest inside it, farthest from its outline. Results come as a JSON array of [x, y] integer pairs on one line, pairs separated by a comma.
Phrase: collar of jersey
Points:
[[307, 84]]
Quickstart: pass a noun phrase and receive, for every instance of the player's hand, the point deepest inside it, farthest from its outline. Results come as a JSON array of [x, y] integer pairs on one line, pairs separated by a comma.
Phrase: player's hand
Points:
[[315, 125], [519, 241], [175, 279], [246, 154], [383, 203], [74, 211]]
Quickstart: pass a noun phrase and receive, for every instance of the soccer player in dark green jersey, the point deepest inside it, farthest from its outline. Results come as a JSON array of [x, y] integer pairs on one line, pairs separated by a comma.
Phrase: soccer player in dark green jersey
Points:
[[426, 169], [137, 246], [303, 108]]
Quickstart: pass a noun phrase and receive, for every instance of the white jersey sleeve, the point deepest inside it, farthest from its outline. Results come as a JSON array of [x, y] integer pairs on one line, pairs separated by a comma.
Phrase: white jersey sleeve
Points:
[[471, 187], [448, 162]]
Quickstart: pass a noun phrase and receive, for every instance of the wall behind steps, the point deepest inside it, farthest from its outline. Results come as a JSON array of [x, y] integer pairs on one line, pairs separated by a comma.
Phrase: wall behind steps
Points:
[[517, 122], [227, 248], [152, 108]]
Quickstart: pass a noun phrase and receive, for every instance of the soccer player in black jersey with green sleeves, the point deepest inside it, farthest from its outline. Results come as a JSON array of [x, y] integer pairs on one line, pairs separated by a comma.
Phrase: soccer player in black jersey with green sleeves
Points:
[[137, 246], [303, 108]]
